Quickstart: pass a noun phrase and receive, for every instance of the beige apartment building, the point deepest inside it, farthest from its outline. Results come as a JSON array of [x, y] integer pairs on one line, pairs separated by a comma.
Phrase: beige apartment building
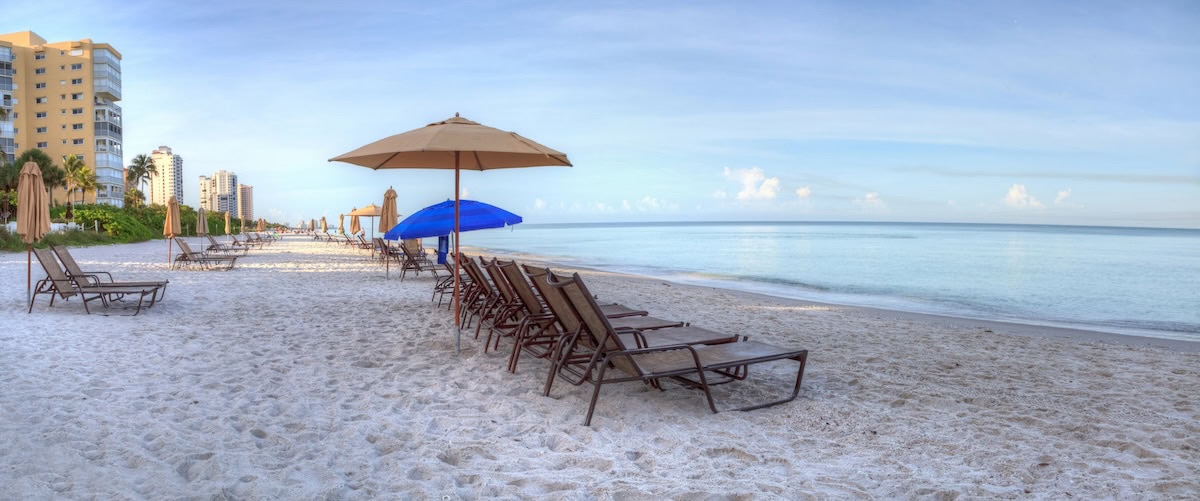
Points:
[[167, 181], [245, 202], [61, 98], [219, 193]]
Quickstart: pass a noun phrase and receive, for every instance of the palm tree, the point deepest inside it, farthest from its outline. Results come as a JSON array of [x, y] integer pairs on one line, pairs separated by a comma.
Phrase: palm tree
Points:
[[140, 171], [51, 175], [79, 176]]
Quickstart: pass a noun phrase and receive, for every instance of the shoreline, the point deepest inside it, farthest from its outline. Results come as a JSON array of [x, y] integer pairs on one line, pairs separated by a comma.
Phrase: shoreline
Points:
[[1025, 329]]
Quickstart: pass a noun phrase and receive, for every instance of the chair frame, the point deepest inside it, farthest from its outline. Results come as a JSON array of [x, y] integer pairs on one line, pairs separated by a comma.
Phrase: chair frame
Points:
[[58, 284]]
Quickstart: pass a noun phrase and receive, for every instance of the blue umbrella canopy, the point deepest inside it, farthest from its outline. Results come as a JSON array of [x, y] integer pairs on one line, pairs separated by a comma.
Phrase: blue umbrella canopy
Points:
[[438, 220]]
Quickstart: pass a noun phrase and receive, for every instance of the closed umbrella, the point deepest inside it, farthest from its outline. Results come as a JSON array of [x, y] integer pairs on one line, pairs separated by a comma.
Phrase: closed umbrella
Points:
[[387, 219], [227, 221], [355, 226], [33, 214], [324, 226], [171, 224], [201, 222], [341, 223], [312, 225], [262, 224], [455, 143]]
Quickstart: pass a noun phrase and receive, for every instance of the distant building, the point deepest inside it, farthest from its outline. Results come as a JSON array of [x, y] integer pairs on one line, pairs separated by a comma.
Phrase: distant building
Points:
[[245, 202], [61, 98], [219, 192], [168, 180]]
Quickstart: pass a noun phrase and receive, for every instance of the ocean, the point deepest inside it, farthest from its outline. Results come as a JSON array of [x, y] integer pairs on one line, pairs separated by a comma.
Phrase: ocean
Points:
[[1137, 281]]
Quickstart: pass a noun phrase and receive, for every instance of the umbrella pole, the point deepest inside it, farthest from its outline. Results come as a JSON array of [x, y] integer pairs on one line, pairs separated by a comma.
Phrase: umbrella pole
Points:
[[29, 272], [457, 263]]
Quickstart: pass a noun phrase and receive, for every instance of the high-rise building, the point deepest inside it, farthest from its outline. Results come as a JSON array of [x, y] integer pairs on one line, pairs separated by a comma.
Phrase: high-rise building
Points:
[[245, 202], [168, 180], [61, 98], [219, 192]]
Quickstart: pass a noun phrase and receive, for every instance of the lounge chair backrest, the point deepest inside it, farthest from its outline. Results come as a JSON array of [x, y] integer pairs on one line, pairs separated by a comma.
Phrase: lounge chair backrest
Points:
[[520, 285], [67, 260], [477, 275], [55, 274], [183, 246], [555, 300], [500, 281], [594, 321]]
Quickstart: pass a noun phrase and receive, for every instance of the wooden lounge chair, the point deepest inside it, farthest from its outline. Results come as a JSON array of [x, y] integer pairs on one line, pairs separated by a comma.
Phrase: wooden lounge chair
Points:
[[215, 246], [574, 353], [541, 332], [58, 284], [205, 261], [103, 278], [414, 260], [688, 364]]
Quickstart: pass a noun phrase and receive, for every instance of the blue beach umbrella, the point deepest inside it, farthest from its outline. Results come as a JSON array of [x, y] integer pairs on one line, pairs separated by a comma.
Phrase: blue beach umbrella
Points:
[[438, 220]]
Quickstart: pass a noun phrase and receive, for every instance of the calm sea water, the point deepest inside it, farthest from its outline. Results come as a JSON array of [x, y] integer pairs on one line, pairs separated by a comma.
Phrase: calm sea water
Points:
[[1125, 280]]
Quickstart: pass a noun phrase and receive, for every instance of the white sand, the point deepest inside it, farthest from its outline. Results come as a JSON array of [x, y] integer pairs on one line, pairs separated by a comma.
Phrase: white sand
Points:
[[303, 374]]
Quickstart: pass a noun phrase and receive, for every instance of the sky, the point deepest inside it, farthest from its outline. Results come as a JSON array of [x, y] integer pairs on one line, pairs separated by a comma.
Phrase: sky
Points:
[[932, 111]]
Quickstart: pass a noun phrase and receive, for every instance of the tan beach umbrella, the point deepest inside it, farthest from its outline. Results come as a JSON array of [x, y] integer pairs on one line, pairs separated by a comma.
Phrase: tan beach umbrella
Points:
[[262, 224], [355, 227], [387, 219], [171, 224], [455, 143], [312, 225], [341, 225], [33, 214], [324, 226], [227, 221], [201, 222]]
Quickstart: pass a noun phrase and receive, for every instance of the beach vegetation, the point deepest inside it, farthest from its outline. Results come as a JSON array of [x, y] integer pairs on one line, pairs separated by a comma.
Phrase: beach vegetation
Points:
[[11, 241], [139, 172]]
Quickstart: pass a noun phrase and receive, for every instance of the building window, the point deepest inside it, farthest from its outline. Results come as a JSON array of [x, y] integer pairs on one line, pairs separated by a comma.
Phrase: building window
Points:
[[39, 56], [62, 96], [76, 126], [77, 52], [76, 111], [77, 66], [43, 144], [76, 81], [76, 96], [40, 114], [39, 85], [41, 130], [76, 141], [62, 67], [39, 71], [40, 100]]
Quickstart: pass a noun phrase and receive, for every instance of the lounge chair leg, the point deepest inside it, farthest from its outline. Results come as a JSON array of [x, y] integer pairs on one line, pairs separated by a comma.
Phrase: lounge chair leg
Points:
[[597, 383]]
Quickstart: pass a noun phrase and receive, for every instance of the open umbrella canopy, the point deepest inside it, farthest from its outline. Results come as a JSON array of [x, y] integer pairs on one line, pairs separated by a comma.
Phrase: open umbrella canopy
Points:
[[438, 220], [434, 147], [201, 221], [371, 210]]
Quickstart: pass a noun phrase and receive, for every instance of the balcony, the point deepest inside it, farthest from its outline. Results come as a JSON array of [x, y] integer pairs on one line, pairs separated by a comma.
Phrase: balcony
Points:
[[105, 129], [106, 89]]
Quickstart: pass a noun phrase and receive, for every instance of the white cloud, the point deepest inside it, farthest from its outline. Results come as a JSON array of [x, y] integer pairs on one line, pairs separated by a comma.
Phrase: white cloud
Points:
[[539, 204], [871, 201], [804, 192], [649, 204], [1019, 198], [1062, 196], [755, 184]]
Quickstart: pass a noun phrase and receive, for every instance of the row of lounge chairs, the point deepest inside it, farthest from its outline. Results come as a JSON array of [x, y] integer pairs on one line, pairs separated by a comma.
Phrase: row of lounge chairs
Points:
[[67, 280], [555, 317]]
